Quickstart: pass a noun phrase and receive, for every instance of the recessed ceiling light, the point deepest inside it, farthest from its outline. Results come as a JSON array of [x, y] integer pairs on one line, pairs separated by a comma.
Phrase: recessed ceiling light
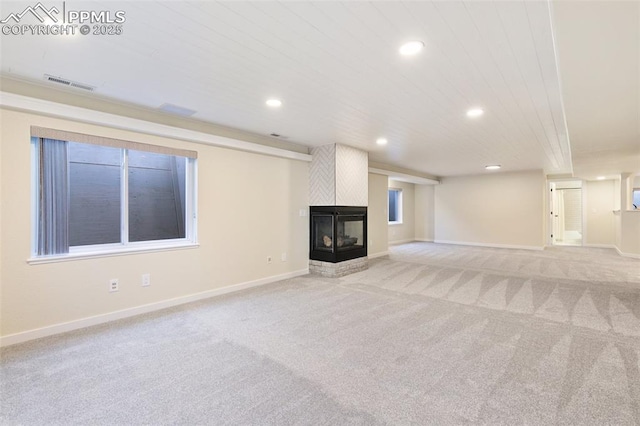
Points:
[[493, 167], [475, 112], [381, 141], [274, 103], [601, 178], [411, 48]]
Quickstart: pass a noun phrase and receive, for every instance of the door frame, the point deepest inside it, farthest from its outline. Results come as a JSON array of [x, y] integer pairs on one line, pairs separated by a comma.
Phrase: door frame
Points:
[[551, 184]]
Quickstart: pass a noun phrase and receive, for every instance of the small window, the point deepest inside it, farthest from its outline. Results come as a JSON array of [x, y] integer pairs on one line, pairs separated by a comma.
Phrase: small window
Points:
[[636, 198], [93, 198], [395, 205]]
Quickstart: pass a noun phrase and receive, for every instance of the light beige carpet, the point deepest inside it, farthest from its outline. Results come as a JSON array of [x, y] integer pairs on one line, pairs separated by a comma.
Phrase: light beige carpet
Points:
[[434, 334]]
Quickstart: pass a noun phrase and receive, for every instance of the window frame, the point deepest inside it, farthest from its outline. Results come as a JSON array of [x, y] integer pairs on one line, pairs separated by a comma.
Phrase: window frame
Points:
[[399, 212], [633, 198], [124, 246]]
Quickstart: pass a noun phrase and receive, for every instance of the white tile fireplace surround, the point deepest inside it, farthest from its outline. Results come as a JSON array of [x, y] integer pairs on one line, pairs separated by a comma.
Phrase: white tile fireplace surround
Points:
[[339, 176]]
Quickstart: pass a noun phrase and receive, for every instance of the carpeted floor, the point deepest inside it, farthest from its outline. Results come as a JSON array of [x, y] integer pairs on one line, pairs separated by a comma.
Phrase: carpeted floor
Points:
[[433, 334]]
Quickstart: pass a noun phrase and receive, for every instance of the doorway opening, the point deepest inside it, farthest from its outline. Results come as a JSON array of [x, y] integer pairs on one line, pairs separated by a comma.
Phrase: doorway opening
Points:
[[566, 213]]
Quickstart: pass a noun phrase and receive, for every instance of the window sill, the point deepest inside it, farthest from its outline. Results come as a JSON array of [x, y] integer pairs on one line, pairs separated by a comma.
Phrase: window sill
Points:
[[395, 223], [110, 253]]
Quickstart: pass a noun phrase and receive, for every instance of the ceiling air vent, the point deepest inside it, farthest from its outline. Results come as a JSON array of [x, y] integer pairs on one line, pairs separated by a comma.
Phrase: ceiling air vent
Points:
[[277, 135], [69, 83], [177, 110]]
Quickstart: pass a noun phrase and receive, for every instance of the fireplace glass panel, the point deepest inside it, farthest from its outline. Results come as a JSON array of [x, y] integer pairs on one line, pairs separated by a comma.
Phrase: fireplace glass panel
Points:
[[350, 232], [323, 232], [337, 233]]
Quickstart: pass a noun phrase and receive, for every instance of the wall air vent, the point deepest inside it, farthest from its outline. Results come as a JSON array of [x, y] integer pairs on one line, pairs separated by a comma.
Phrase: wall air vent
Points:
[[68, 83]]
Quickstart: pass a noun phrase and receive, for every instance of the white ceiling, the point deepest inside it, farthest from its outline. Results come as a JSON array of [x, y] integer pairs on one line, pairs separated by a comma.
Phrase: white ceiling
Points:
[[336, 67], [599, 55]]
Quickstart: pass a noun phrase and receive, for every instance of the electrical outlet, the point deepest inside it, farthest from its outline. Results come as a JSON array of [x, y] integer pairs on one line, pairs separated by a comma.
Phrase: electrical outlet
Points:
[[283, 257], [113, 285], [146, 280], [269, 259]]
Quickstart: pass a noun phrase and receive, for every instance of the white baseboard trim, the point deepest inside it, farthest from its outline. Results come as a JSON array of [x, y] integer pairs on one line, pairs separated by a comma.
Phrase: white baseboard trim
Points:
[[51, 330], [608, 246], [507, 246], [631, 255], [397, 242], [423, 240], [381, 254]]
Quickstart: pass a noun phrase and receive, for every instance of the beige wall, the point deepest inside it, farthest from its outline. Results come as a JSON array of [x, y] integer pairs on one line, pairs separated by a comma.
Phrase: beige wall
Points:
[[630, 233], [600, 220], [404, 231], [425, 211], [377, 229], [501, 209], [248, 209]]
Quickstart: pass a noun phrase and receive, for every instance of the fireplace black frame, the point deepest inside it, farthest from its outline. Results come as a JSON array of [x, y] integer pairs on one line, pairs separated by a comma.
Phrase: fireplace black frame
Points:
[[334, 255]]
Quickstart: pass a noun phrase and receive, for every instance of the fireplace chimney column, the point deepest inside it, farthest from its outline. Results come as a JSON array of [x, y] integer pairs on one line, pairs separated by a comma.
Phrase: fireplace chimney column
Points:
[[339, 196]]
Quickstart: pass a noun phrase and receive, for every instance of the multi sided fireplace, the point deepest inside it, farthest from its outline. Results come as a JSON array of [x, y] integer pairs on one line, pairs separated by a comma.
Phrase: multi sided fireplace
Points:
[[338, 233]]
